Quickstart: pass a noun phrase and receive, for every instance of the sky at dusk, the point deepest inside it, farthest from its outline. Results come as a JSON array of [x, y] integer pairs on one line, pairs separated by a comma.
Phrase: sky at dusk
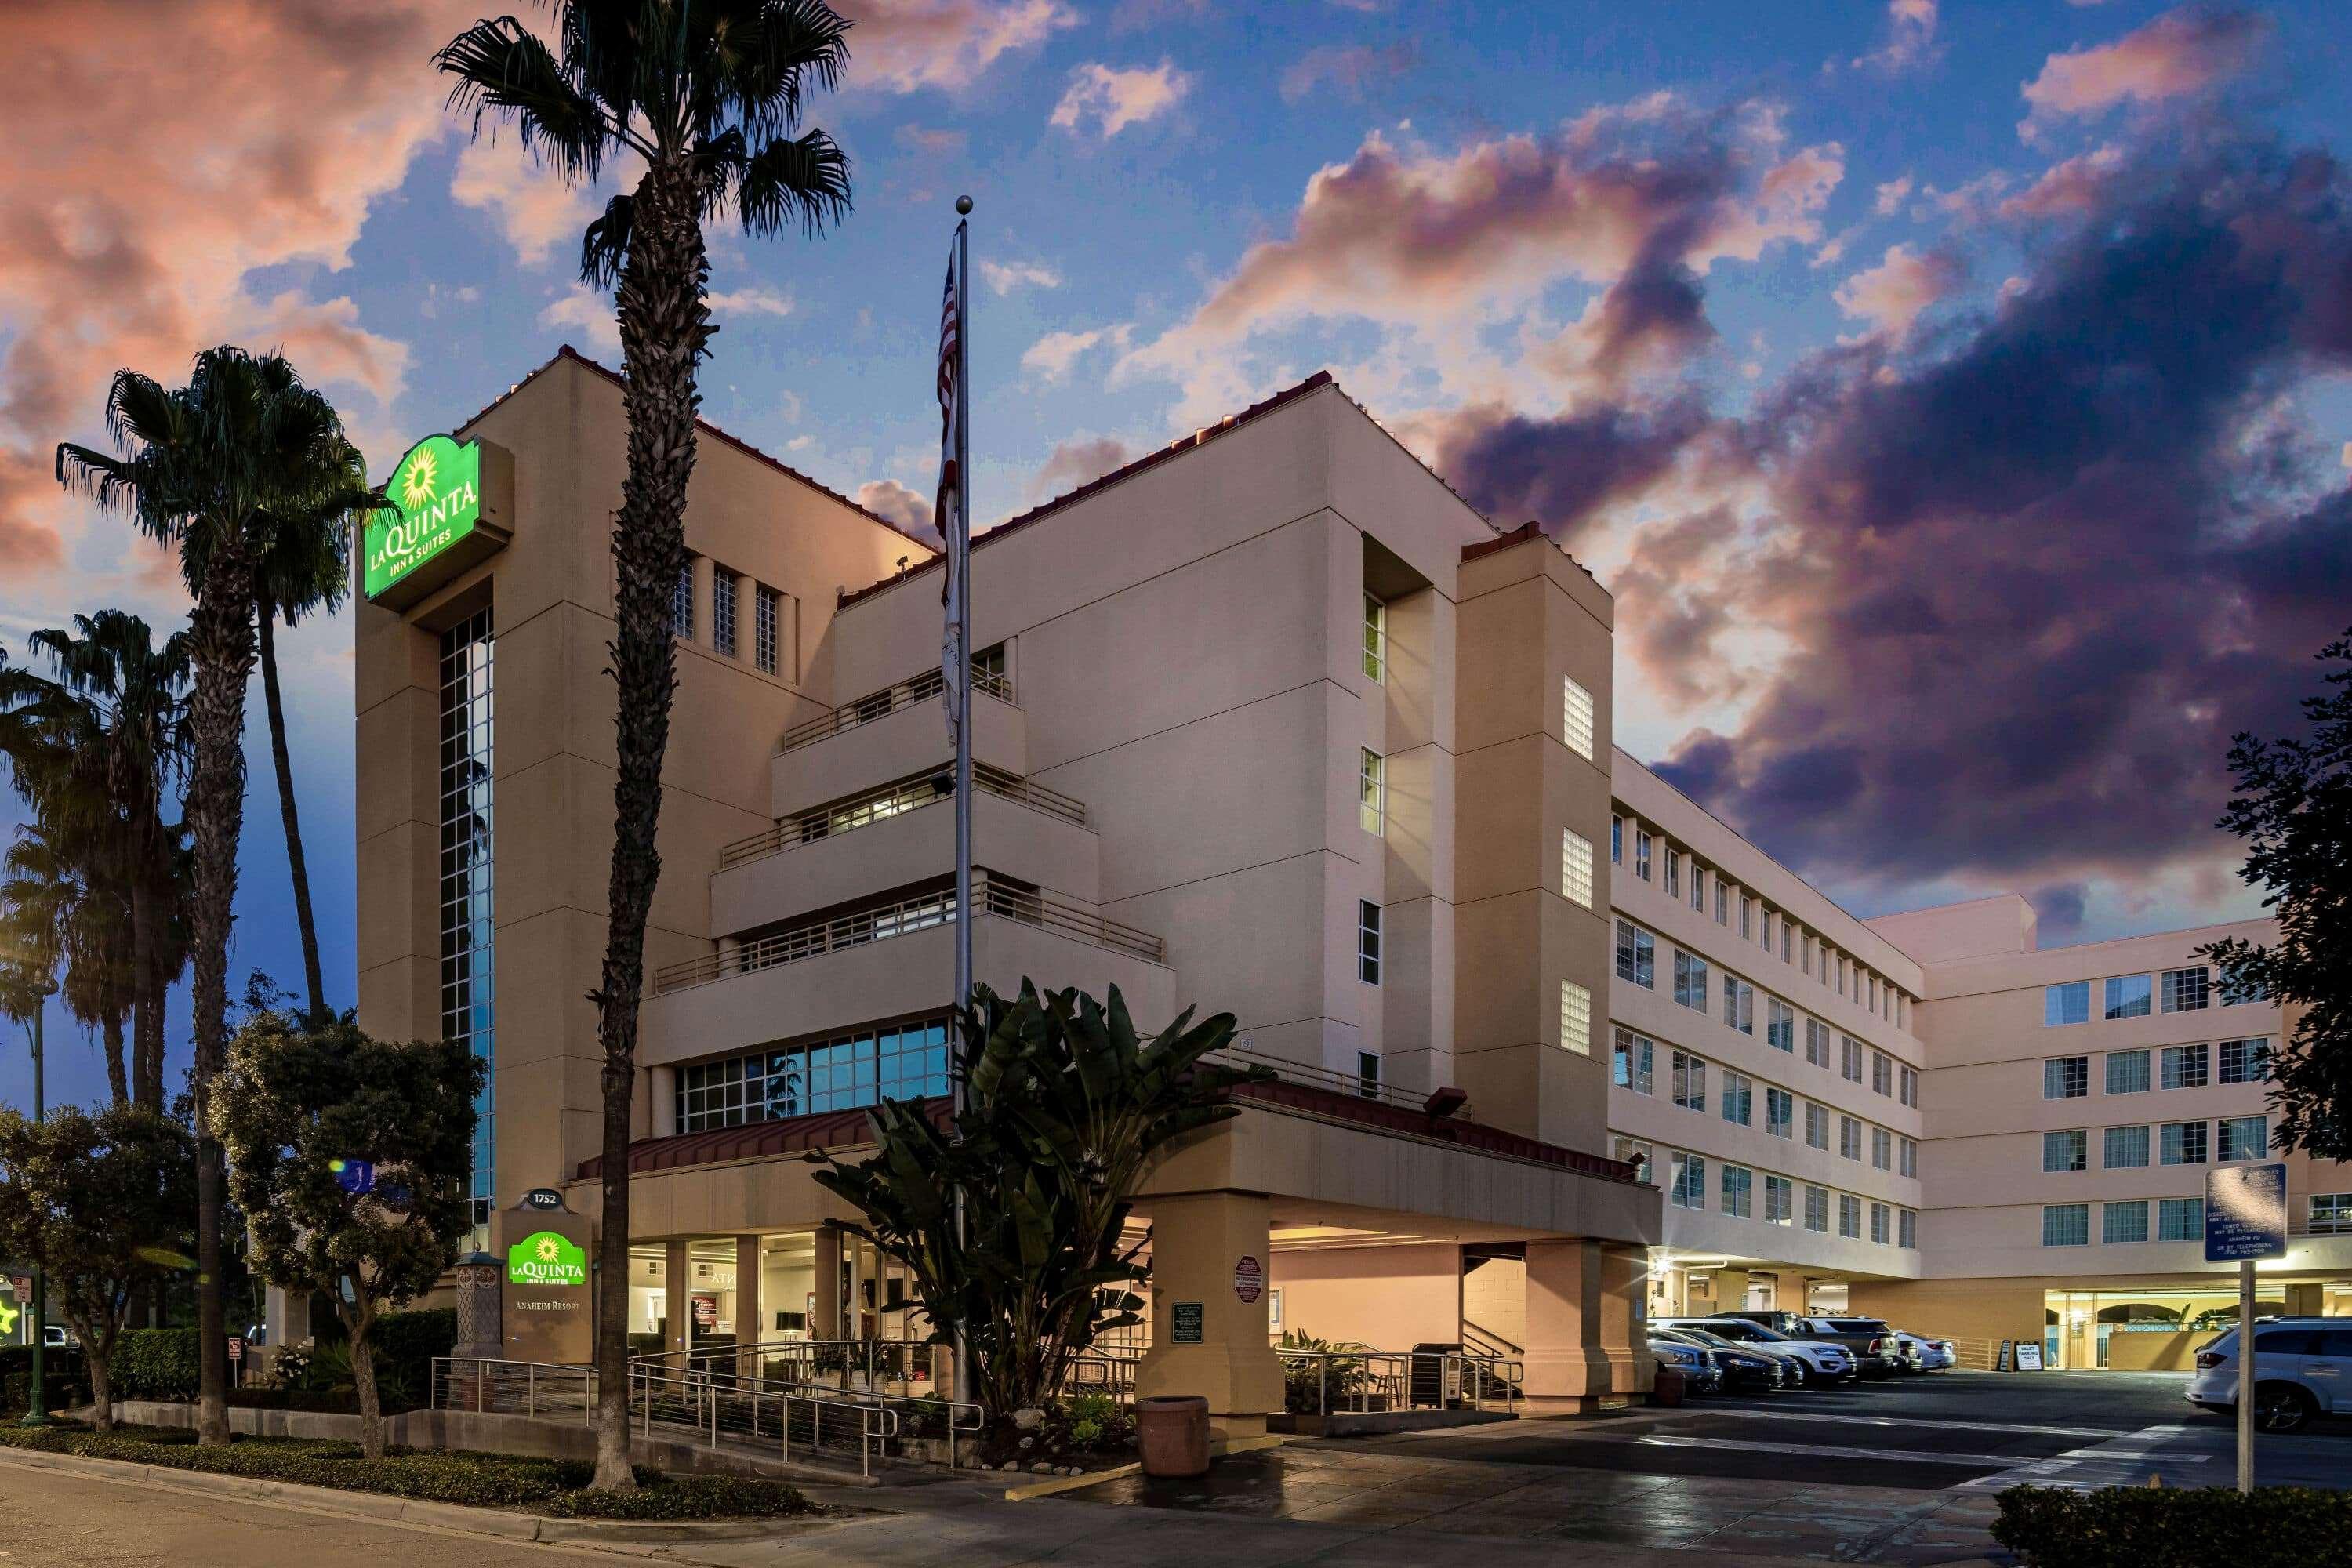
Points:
[[1953, 395]]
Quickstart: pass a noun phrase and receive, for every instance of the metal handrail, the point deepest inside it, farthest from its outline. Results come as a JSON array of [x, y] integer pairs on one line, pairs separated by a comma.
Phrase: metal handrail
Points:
[[1329, 1078], [735, 1407], [903, 918], [881, 704], [544, 1386], [894, 800], [718, 1371], [1354, 1379]]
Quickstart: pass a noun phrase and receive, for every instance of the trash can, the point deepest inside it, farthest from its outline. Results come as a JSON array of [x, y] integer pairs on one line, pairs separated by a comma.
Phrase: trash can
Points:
[[1172, 1433], [1668, 1389]]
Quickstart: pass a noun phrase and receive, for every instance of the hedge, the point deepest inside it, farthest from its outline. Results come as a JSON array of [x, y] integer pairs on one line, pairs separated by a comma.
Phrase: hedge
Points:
[[62, 1370], [2174, 1527], [686, 1497], [160, 1364], [154, 1364]]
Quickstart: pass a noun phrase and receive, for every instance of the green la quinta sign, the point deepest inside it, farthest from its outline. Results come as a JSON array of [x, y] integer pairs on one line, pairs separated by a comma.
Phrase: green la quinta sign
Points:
[[447, 509], [543, 1257]]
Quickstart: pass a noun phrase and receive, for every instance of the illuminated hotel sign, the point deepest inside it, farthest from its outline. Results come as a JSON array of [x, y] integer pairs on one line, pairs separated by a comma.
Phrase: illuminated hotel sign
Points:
[[544, 1257], [450, 507]]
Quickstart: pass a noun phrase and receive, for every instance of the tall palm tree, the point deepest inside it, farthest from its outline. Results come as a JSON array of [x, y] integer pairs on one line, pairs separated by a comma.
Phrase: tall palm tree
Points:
[[206, 468], [64, 881], [709, 94]]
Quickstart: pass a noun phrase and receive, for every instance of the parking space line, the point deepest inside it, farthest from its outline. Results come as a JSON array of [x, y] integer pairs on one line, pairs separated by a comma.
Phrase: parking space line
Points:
[[1908, 1421], [1828, 1451]]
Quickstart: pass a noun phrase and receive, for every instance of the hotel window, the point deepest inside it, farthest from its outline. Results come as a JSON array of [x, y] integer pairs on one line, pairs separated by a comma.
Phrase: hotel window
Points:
[[2065, 1224], [2184, 1066], [1849, 1058], [1368, 942], [2244, 1061], [1575, 1018], [2185, 990], [2123, 1222], [763, 628], [1689, 1081], [1368, 1075], [1575, 868], [1637, 956], [1841, 974], [1817, 1042], [2182, 1143], [1882, 1148], [1780, 1024], [1372, 792], [1699, 887], [1690, 981], [2237, 992], [1722, 902], [2066, 1078], [1808, 964], [2065, 1151], [1576, 717], [2243, 1138], [1674, 872], [1849, 1137], [1780, 1200], [2128, 996], [1850, 1215], [2127, 1148], [2181, 1219], [900, 1061], [1817, 1126], [2128, 1072], [1817, 1209], [1785, 944], [468, 878], [1634, 1152], [1632, 1057], [1767, 937], [1737, 1181], [2331, 1213], [1739, 1098], [1907, 1161], [1739, 1004], [1779, 1113], [1616, 841], [1689, 1189], [1907, 1229], [1376, 639], [1873, 992], [1908, 1083], [681, 601], [1881, 1223], [2066, 1004], [724, 587], [1881, 1073], [1747, 916], [1641, 854]]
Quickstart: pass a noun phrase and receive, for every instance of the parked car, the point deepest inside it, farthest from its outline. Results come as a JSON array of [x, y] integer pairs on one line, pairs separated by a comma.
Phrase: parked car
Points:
[[1742, 1364], [1934, 1355], [1871, 1341], [1823, 1360], [1791, 1323], [1702, 1374], [2303, 1368]]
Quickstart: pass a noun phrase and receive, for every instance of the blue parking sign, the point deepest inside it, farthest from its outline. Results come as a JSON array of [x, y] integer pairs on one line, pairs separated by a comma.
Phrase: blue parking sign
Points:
[[353, 1175], [2245, 1212]]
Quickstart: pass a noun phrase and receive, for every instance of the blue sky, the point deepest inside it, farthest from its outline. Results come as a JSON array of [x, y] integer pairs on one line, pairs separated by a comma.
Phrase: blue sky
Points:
[[1734, 299]]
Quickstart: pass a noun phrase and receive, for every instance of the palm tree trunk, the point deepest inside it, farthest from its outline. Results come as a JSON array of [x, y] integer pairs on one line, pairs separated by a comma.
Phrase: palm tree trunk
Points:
[[264, 616], [664, 328], [118, 1083], [150, 918], [222, 628]]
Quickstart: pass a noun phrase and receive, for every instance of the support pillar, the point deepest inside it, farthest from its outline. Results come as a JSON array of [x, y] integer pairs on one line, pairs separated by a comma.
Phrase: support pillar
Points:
[[825, 1322], [678, 1329], [1199, 1244], [1581, 1317], [2305, 1301], [747, 1306]]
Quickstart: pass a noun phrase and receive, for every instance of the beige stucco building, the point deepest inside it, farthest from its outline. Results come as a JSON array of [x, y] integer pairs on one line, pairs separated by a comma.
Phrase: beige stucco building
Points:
[[1269, 721]]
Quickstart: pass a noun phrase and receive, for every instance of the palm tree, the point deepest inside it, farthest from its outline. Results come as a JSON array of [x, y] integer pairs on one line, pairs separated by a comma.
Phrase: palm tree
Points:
[[708, 93], [206, 468], [62, 882]]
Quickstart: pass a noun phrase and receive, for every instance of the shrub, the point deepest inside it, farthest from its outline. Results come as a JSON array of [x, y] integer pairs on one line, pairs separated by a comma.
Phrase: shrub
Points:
[[68, 1384], [154, 1364], [2150, 1527], [1098, 1424], [686, 1497]]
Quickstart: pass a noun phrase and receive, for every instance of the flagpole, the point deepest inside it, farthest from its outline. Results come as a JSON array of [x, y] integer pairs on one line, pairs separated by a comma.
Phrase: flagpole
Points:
[[961, 698]]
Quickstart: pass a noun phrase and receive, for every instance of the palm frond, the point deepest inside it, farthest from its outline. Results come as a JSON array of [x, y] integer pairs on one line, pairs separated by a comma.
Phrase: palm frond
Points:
[[502, 65], [605, 245], [802, 180]]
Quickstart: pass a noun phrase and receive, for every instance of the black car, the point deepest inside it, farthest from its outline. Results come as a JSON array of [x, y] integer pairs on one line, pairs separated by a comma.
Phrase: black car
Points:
[[1741, 1368]]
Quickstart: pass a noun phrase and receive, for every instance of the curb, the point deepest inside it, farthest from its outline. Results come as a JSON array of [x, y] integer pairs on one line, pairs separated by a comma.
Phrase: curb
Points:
[[1092, 1478], [460, 1517]]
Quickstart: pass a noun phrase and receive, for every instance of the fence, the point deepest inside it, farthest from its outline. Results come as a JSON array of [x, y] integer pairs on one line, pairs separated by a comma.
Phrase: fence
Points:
[[1318, 1383], [824, 1379], [881, 704]]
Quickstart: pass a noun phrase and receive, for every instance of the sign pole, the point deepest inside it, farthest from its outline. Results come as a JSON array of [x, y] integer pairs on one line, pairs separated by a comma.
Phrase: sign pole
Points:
[[961, 698], [2245, 1218], [2246, 1375]]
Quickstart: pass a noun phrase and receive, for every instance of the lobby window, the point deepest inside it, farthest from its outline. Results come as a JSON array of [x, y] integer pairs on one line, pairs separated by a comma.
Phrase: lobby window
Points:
[[1817, 1126], [2186, 990], [1907, 1229], [1616, 841], [897, 1061], [1372, 792], [1739, 1004], [1907, 1082], [1881, 1224], [1690, 1082], [763, 628], [1882, 1148], [1637, 956], [1575, 1018], [1817, 1042], [2181, 1219], [1850, 1059], [1780, 1200], [1690, 981], [1674, 872], [1850, 1215], [2066, 1078], [1907, 1163], [1632, 1057], [2128, 1072], [681, 601], [2127, 1148], [1780, 1024], [1368, 1075], [724, 588], [1689, 1188], [1737, 1181], [2123, 1222], [2065, 1224], [2065, 1151], [2069, 1003], [1739, 1098], [1575, 868], [1780, 1113], [1746, 917], [1722, 902], [1368, 942], [1641, 854], [2244, 1061], [2184, 1066], [1850, 1137], [2243, 1138], [1817, 1209], [1882, 1074], [2182, 1143], [2128, 996], [1576, 717], [2331, 1213], [1376, 639]]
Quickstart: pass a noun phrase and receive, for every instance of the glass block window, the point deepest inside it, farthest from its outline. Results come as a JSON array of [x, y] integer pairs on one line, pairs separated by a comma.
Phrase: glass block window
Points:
[[2127, 1148], [2244, 1138], [894, 1061], [725, 587], [1575, 868], [1637, 956], [1737, 1181], [1817, 1209], [1575, 1018], [1372, 792], [2186, 990], [2128, 996], [2068, 1003], [1368, 942], [764, 608], [2065, 1151], [2243, 1061], [2065, 1224], [1634, 1055], [2066, 1078], [681, 601], [2181, 1219], [2184, 1066], [1576, 717], [2128, 1072], [2182, 1143], [2123, 1222], [467, 883], [1376, 639], [1780, 1200]]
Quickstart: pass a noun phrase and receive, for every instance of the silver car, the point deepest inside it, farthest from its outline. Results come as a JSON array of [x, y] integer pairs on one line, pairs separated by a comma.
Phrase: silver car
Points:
[[2303, 1368]]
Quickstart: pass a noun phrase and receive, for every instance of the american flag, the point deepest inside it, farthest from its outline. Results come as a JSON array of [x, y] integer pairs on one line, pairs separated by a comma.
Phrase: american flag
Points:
[[947, 508]]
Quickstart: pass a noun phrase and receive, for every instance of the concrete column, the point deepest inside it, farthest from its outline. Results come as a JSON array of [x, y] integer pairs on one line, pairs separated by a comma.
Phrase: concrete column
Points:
[[286, 1316], [747, 1305], [1581, 1354], [1731, 1289], [677, 1333], [1198, 1243], [661, 1101], [825, 1323], [2306, 1300]]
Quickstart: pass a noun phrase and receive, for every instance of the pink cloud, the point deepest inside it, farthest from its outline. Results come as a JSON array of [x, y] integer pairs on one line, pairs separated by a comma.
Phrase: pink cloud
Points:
[[902, 45], [1114, 100], [895, 503], [2180, 54], [1891, 295], [2073, 186], [1910, 37]]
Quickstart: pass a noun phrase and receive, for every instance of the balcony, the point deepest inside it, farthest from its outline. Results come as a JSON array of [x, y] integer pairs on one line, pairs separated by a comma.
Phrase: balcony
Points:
[[922, 689], [866, 746]]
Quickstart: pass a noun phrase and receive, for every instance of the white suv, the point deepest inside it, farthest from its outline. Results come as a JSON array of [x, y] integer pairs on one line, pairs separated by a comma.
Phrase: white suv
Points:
[[2303, 1367], [1825, 1360]]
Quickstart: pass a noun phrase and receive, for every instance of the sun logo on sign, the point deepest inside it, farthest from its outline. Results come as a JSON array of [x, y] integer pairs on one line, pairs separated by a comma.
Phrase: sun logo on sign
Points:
[[417, 485], [549, 1249]]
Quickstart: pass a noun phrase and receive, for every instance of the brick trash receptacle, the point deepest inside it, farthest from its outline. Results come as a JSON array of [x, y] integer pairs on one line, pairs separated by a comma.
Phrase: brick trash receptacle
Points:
[[1172, 1435]]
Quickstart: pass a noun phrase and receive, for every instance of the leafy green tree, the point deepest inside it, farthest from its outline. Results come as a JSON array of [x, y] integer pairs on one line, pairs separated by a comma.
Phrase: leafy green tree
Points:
[[1068, 1109], [102, 1204], [296, 1106], [2292, 806], [707, 94], [210, 469]]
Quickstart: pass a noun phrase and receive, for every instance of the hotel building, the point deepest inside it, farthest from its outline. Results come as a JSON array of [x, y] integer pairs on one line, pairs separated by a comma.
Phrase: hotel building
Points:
[[1269, 721]]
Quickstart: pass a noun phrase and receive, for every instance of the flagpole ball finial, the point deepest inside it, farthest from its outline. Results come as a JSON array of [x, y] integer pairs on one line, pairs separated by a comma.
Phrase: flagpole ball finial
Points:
[[963, 205]]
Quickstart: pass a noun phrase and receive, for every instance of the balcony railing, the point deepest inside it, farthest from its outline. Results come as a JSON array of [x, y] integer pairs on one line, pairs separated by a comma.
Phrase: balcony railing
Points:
[[882, 704], [893, 800], [906, 915]]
